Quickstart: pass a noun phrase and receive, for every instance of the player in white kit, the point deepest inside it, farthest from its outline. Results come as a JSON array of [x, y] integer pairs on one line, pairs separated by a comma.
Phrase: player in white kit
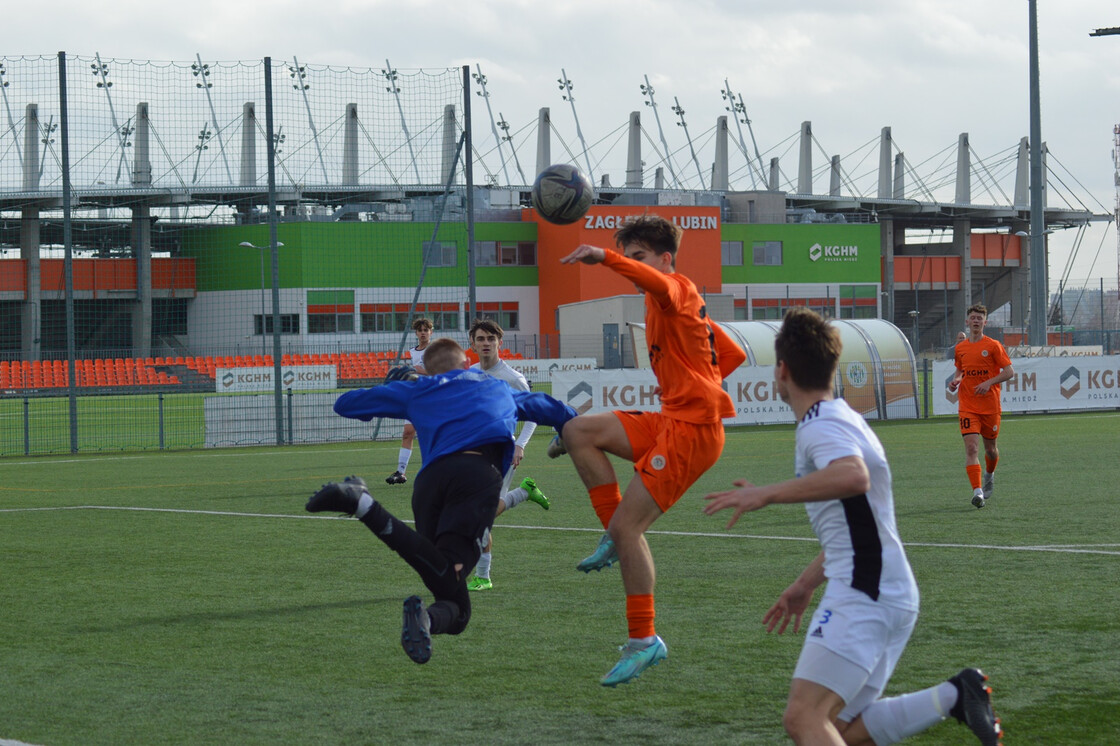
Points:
[[870, 604], [414, 357], [486, 341]]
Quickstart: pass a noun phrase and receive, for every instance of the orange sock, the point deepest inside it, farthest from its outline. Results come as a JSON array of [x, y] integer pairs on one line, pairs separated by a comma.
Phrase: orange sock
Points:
[[991, 463], [973, 474], [639, 615], [605, 499]]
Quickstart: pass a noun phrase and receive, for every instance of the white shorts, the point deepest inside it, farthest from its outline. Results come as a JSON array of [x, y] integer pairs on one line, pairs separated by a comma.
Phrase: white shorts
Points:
[[852, 647]]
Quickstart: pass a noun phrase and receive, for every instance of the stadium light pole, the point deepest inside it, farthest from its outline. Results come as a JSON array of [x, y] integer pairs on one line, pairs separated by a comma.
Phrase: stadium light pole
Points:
[[264, 325], [1040, 291]]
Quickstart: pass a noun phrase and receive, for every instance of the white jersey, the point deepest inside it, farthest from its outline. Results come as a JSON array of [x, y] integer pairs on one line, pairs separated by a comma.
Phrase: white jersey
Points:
[[863, 553], [415, 356], [517, 382]]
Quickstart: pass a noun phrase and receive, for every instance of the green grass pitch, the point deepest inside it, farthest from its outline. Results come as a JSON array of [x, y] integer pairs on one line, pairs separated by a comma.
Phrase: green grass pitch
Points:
[[187, 598]]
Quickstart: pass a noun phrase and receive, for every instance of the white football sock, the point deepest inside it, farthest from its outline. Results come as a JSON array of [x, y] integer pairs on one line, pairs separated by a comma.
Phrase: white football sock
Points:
[[891, 720], [513, 498], [402, 459], [365, 502], [482, 569]]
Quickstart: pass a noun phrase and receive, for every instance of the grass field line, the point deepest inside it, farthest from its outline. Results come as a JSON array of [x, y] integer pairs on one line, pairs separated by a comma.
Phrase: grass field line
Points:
[[1054, 548]]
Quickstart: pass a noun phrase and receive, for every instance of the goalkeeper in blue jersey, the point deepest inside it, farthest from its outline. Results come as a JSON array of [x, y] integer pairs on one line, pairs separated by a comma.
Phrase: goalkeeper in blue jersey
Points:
[[465, 422]]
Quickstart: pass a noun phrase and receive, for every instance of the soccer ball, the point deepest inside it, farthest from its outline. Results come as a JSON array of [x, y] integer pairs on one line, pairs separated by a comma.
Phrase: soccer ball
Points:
[[562, 194]]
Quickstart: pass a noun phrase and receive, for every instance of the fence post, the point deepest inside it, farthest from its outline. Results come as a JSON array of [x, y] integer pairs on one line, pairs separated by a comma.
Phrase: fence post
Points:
[[270, 136], [26, 427], [927, 374], [290, 441], [161, 442], [68, 247]]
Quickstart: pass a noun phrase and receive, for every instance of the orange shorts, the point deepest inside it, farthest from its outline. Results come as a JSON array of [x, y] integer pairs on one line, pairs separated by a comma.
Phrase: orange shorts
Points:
[[984, 425], [670, 455]]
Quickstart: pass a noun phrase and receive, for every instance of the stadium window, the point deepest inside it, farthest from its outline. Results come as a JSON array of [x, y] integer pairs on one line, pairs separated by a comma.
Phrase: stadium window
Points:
[[289, 324], [507, 254], [487, 255], [393, 317], [441, 253], [527, 253], [444, 316], [377, 317], [740, 309], [767, 253], [858, 301], [506, 314], [731, 253], [330, 311], [320, 322], [445, 321]]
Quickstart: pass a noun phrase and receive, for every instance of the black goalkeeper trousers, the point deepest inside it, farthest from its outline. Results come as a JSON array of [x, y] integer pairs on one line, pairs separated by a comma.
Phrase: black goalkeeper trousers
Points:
[[453, 503]]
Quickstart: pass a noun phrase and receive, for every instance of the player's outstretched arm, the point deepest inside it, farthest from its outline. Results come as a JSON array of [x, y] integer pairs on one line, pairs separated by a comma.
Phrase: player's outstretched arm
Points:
[[387, 400], [746, 498], [542, 409], [842, 477], [586, 254]]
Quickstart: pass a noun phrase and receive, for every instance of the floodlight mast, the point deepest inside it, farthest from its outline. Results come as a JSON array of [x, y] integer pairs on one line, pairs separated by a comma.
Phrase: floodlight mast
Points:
[[566, 93], [481, 80], [1040, 291], [648, 91]]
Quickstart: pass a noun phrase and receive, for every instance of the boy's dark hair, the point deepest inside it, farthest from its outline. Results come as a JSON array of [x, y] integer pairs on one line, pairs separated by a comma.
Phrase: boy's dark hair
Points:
[[443, 355], [810, 347], [651, 231], [486, 325], [422, 323], [979, 308]]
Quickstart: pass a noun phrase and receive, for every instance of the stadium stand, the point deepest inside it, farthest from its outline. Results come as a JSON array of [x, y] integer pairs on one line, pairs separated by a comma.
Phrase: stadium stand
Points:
[[354, 368]]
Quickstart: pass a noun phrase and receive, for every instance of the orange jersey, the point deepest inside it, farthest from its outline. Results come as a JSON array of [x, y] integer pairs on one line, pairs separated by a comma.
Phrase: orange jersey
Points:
[[979, 361], [689, 353]]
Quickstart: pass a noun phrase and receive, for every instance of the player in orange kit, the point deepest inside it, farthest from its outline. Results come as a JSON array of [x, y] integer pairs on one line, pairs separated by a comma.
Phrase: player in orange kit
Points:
[[690, 355], [982, 365]]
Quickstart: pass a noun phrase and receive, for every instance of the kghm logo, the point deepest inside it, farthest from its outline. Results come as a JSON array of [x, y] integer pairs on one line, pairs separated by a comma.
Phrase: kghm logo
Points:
[[818, 252], [580, 397], [1070, 382]]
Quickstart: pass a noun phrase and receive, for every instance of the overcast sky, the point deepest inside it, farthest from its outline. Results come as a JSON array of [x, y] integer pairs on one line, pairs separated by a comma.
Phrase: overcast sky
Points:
[[929, 70]]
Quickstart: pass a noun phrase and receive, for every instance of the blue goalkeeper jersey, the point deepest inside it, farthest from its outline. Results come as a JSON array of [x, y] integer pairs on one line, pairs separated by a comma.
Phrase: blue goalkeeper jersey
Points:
[[456, 411]]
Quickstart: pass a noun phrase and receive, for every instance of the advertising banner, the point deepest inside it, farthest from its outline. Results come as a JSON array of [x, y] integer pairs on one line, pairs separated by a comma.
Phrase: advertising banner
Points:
[[541, 371], [1043, 385], [297, 377], [592, 391]]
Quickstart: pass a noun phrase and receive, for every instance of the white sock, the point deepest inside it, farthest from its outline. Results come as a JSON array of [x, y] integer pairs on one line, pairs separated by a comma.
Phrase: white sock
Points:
[[365, 502], [891, 720], [402, 459], [482, 569], [513, 498]]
